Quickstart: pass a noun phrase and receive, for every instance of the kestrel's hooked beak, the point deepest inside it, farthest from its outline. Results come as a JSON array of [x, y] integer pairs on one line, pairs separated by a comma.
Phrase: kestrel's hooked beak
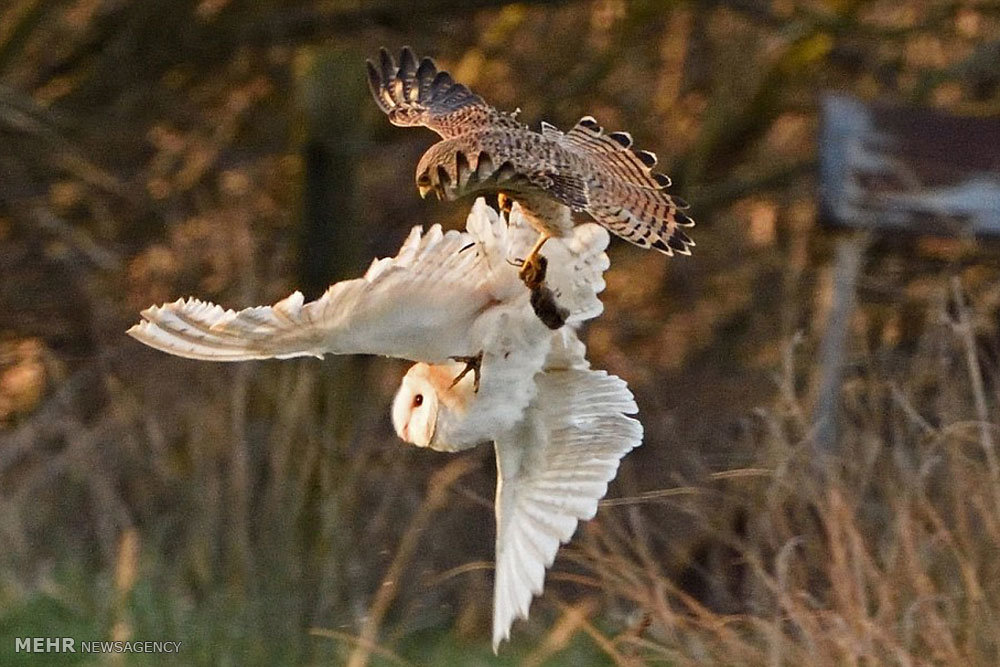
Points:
[[424, 189]]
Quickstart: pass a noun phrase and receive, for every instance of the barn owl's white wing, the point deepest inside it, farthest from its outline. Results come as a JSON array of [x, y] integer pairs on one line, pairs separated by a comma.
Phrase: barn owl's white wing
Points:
[[576, 267], [419, 305], [576, 263], [552, 470], [401, 307]]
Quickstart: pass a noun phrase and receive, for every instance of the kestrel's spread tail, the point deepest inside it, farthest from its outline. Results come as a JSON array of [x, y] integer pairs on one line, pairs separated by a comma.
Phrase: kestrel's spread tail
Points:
[[550, 173], [625, 194]]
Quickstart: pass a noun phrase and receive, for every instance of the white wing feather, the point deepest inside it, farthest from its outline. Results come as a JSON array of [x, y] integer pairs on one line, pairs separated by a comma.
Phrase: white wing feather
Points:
[[405, 307], [419, 305], [552, 470], [576, 267], [576, 263]]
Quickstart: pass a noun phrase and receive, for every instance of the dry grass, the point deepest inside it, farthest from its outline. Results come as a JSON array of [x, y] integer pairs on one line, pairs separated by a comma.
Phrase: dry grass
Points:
[[255, 511], [885, 554]]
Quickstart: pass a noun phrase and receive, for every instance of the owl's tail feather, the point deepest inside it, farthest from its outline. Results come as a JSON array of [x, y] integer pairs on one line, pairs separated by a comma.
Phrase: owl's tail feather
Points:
[[576, 266], [628, 196]]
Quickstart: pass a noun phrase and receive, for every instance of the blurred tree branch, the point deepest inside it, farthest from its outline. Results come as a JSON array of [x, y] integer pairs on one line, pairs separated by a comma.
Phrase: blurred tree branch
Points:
[[307, 24], [29, 20], [711, 197]]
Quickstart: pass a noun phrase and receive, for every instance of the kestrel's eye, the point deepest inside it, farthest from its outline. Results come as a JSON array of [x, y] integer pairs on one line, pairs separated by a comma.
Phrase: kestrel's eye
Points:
[[424, 179], [418, 400]]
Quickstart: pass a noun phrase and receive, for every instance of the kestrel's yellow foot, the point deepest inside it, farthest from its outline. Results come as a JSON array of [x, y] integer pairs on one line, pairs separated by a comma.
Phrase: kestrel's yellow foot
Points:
[[504, 202], [473, 364], [534, 265], [543, 302], [533, 271]]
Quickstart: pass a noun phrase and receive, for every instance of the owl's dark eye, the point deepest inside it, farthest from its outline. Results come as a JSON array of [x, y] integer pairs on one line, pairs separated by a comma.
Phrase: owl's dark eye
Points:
[[418, 400]]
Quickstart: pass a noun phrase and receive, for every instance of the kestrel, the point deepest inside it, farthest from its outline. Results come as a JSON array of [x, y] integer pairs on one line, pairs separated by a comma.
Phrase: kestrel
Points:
[[558, 426], [550, 173]]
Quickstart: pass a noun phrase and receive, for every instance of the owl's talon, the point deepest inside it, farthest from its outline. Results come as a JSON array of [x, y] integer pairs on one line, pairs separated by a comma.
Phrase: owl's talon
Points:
[[471, 364]]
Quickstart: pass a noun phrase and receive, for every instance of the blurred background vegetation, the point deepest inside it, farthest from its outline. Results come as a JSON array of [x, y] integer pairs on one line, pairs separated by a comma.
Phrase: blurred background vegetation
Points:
[[265, 513]]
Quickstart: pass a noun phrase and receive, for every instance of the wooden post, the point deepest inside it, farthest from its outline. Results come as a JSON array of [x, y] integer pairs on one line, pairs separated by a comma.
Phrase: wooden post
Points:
[[832, 352]]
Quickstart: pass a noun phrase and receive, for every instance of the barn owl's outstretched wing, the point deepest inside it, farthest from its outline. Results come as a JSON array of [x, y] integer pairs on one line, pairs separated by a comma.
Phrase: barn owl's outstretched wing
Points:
[[419, 94], [552, 470], [419, 305]]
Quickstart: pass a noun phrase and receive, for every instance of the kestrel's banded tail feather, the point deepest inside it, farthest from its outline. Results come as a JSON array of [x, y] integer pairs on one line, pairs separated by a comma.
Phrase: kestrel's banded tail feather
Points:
[[626, 195], [612, 152], [419, 94], [647, 218]]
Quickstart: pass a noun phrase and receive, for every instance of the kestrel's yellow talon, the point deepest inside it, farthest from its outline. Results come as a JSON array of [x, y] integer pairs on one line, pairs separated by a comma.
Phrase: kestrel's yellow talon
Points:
[[471, 364], [504, 202], [534, 266], [533, 271]]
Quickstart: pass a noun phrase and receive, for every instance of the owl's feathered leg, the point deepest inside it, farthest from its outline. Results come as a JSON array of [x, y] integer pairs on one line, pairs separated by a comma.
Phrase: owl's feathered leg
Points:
[[471, 364]]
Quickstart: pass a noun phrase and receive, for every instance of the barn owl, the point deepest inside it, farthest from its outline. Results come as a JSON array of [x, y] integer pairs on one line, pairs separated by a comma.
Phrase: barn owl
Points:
[[550, 173], [559, 428], [554, 459]]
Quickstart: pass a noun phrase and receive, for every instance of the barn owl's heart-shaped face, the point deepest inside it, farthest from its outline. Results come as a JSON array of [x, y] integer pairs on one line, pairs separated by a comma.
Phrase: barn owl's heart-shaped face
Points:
[[415, 408]]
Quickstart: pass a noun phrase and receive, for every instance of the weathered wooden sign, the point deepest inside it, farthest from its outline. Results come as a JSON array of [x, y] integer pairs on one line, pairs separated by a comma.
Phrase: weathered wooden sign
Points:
[[896, 167]]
